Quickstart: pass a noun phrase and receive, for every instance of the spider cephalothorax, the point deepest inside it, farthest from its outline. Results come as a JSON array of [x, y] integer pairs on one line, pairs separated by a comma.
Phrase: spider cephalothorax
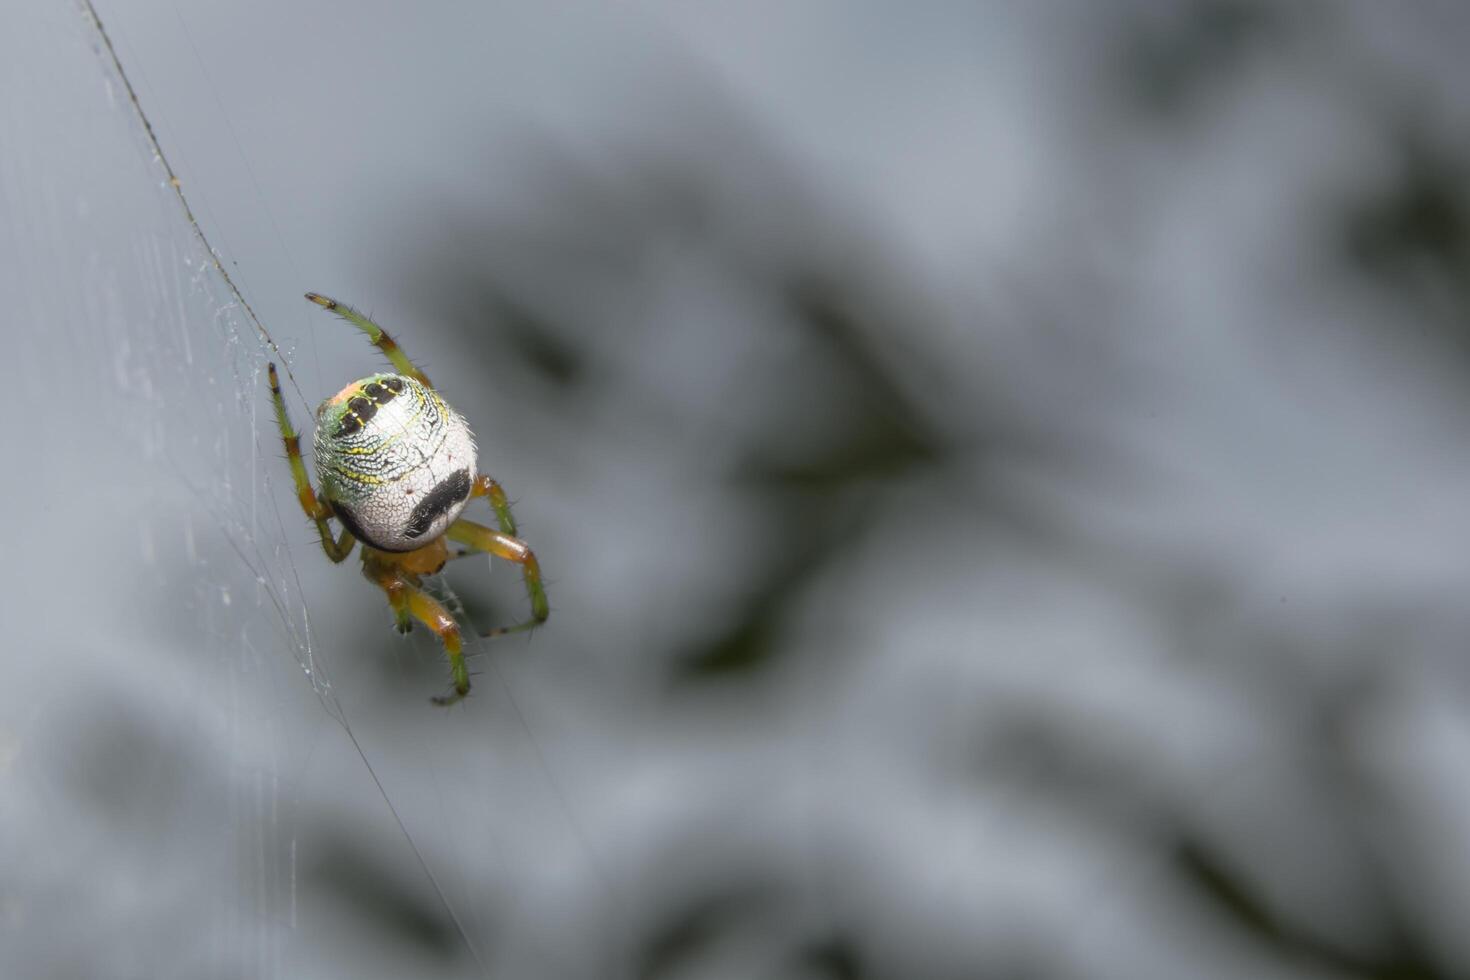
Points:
[[397, 466]]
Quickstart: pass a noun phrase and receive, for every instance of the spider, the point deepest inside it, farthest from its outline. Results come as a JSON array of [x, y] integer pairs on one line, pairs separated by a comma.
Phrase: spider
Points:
[[397, 466]]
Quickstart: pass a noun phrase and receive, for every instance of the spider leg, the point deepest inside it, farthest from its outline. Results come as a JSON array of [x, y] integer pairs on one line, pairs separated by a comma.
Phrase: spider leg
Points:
[[407, 601], [397, 588], [511, 548], [376, 334], [337, 549], [484, 486]]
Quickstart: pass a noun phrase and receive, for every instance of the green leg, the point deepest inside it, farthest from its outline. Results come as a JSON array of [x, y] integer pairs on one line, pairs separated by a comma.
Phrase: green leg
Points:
[[397, 588], [337, 549], [376, 334], [511, 548], [488, 488], [407, 600]]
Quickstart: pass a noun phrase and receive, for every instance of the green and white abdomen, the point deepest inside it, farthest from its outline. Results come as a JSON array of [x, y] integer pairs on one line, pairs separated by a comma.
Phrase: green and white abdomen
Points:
[[396, 462]]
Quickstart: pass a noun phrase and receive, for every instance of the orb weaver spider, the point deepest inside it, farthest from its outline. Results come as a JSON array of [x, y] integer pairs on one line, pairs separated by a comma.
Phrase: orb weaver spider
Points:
[[397, 466]]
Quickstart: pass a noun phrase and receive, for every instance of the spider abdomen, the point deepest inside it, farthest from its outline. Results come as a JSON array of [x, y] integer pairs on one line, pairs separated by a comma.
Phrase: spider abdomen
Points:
[[397, 463]]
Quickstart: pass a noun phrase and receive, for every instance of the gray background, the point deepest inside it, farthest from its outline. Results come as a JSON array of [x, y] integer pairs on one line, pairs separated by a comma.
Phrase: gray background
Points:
[[1001, 470]]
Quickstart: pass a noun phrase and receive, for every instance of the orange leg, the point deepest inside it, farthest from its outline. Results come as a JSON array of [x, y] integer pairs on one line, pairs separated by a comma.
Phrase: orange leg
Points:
[[511, 548], [408, 601], [397, 588]]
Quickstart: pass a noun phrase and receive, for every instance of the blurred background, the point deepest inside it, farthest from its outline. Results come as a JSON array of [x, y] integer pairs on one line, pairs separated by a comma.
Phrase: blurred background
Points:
[[1000, 469]]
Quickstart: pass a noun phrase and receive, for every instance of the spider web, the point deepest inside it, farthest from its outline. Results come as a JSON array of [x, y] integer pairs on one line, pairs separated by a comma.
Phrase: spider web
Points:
[[1099, 627], [215, 737]]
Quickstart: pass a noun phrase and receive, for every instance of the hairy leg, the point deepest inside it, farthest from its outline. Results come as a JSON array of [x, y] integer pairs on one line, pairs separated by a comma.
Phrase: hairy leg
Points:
[[488, 488], [336, 549], [407, 601], [376, 334], [511, 548], [397, 588]]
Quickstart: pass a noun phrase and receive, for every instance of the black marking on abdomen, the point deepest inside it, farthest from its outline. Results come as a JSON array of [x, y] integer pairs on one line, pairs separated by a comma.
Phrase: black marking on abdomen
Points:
[[362, 408], [436, 503], [382, 394]]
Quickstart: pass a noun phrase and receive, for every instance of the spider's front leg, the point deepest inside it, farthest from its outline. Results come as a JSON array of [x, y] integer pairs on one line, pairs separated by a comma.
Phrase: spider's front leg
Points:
[[408, 600], [339, 548], [376, 334]]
